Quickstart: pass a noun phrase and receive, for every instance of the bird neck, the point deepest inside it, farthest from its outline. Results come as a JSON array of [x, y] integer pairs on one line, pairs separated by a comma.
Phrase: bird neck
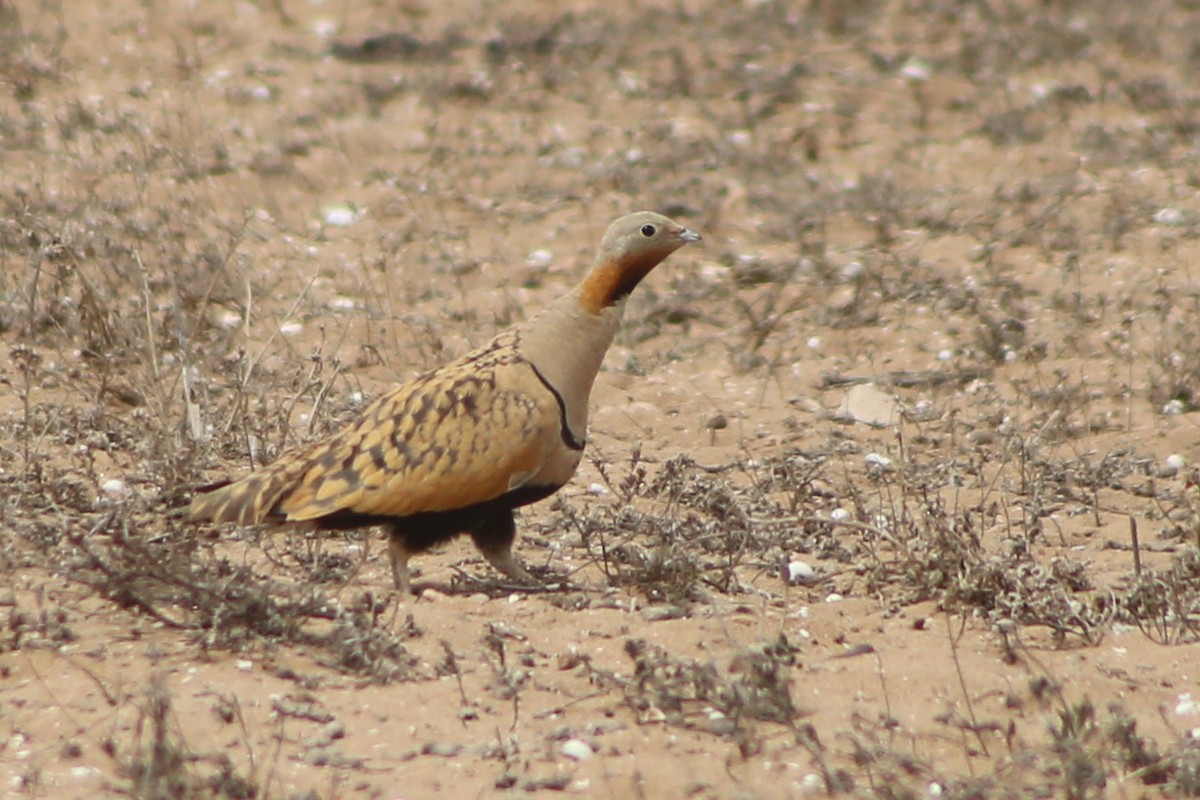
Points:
[[609, 282], [566, 343]]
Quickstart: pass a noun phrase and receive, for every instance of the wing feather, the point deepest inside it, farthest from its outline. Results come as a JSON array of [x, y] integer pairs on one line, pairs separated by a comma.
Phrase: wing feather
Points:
[[449, 440]]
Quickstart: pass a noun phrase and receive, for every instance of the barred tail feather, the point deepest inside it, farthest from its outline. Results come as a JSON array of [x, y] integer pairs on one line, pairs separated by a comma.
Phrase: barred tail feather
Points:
[[251, 500]]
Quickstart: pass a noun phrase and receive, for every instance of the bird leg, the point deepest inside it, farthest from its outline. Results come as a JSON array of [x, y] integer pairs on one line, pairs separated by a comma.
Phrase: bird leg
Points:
[[494, 537], [401, 578]]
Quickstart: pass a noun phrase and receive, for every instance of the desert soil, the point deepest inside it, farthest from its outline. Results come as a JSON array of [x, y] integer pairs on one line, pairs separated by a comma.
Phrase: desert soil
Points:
[[890, 485]]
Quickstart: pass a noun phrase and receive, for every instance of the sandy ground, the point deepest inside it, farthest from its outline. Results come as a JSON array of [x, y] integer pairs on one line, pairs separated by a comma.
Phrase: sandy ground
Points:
[[890, 485]]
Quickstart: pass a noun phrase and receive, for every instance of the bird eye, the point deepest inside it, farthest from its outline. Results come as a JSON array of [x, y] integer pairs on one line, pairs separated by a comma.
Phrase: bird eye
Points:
[[648, 230]]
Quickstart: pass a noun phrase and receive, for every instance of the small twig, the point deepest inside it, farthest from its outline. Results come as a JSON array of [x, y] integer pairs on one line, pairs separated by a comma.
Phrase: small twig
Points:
[[962, 682], [262, 352], [1137, 550], [451, 663], [322, 393]]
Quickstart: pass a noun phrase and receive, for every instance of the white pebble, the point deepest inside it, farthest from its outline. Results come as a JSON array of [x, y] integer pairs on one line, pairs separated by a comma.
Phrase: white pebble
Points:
[[853, 271], [342, 303], [814, 343], [878, 462], [290, 328], [1175, 462], [325, 28], [839, 514], [577, 750], [833, 597], [1169, 216], [1186, 706], [812, 783], [800, 572], [945, 355], [244, 664], [114, 487], [1173, 407], [340, 215], [597, 489], [915, 70], [540, 259]]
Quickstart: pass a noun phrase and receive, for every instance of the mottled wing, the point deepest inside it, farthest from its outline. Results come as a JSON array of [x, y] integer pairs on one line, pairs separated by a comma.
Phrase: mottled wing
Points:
[[451, 439]]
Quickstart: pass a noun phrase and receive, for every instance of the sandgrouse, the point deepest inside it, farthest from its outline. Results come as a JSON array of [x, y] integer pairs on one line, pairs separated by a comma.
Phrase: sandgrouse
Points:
[[457, 449]]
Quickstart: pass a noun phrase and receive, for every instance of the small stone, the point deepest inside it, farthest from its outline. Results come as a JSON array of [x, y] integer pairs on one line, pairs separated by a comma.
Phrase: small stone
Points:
[[878, 463], [981, 436], [915, 70], [1173, 407], [443, 749], [853, 271], [740, 138], [718, 422], [812, 783], [1172, 465], [1169, 216], [663, 612], [839, 514], [866, 404], [720, 725], [577, 750], [570, 659], [540, 259], [114, 487], [800, 572], [340, 214]]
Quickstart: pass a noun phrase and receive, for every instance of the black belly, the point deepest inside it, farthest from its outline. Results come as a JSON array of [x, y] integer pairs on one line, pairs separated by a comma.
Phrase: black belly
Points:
[[425, 529]]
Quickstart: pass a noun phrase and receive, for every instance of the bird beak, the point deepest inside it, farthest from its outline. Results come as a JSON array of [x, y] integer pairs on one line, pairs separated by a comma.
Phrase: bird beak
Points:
[[689, 235]]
